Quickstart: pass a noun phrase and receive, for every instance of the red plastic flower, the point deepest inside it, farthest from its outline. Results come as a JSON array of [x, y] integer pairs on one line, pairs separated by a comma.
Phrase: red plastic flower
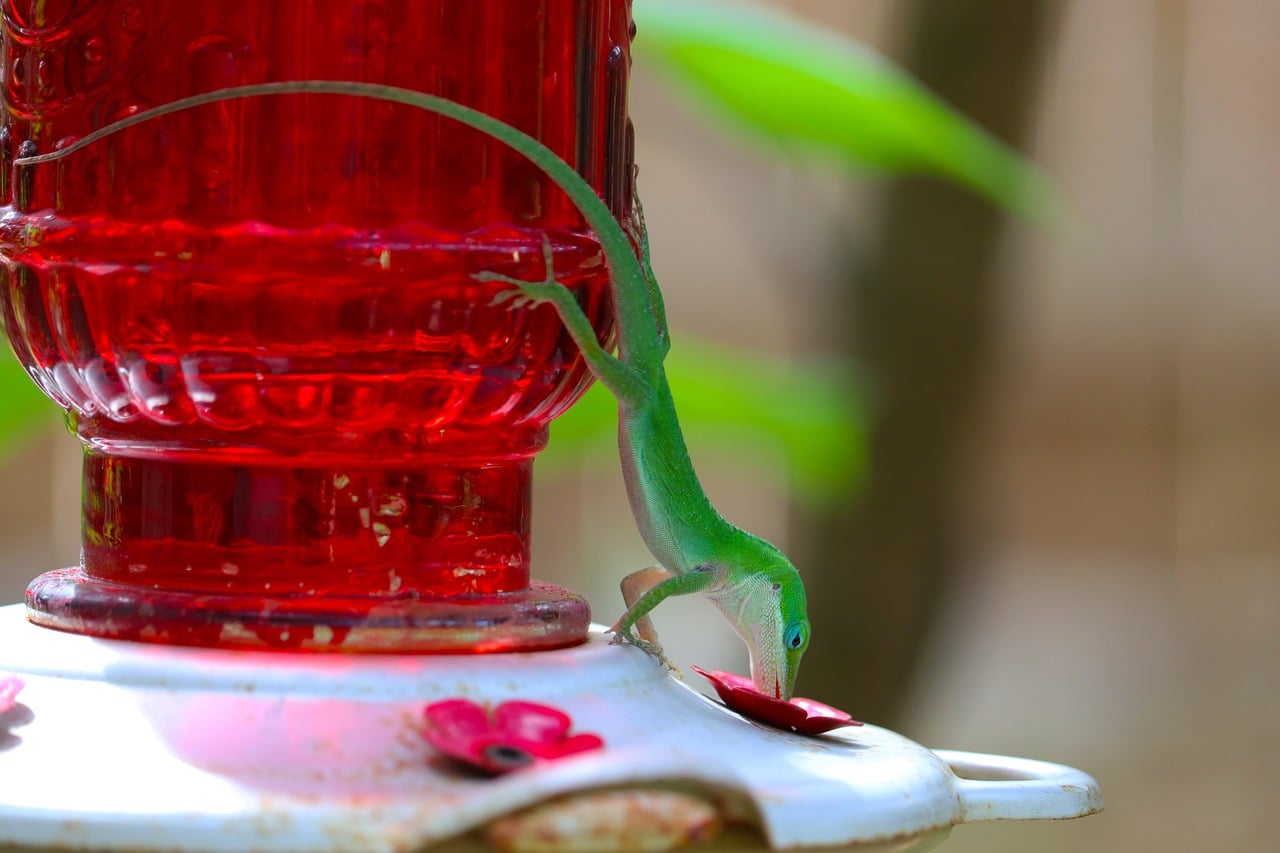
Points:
[[513, 735], [804, 716], [10, 687]]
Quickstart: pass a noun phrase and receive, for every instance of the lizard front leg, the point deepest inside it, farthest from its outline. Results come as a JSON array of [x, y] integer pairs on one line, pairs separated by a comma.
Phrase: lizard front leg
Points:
[[634, 586], [638, 611]]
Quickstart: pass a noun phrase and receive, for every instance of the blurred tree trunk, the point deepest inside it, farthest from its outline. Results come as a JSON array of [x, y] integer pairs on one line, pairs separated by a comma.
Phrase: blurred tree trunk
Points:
[[917, 316]]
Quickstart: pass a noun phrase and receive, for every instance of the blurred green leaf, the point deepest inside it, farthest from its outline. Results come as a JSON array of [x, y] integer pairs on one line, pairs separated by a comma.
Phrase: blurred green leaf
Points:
[[806, 87], [735, 404], [22, 406]]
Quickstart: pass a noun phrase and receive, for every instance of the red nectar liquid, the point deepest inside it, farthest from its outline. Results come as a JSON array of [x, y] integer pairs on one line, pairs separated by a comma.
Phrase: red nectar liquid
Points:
[[306, 423]]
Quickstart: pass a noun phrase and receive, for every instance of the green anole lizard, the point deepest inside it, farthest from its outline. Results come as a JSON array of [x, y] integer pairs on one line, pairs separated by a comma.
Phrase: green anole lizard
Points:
[[752, 582]]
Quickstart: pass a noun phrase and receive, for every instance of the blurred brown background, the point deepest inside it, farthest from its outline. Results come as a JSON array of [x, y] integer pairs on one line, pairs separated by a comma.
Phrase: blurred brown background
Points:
[[1099, 506]]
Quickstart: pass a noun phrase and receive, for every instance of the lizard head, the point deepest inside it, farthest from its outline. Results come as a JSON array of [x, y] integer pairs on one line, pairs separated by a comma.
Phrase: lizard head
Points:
[[767, 606]]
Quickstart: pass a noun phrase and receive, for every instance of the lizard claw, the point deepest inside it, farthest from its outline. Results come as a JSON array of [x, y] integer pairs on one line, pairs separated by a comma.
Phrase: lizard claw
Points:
[[487, 276], [515, 299], [525, 294], [652, 649]]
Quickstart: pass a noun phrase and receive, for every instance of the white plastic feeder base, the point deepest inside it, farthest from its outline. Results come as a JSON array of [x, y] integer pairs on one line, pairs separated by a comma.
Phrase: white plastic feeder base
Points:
[[141, 747]]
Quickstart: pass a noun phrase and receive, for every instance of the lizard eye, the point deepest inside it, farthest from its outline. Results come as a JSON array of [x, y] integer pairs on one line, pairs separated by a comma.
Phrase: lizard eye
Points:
[[796, 637]]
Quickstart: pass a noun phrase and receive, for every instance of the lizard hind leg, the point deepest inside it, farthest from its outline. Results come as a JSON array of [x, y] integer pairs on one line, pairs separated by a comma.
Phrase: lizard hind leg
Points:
[[527, 294], [626, 384]]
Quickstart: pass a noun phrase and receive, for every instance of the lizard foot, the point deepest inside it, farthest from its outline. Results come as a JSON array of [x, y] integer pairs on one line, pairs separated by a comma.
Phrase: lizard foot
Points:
[[651, 649], [526, 294], [515, 298]]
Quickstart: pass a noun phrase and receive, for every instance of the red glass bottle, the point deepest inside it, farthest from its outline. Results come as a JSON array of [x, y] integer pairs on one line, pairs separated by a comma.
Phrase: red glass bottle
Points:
[[305, 426]]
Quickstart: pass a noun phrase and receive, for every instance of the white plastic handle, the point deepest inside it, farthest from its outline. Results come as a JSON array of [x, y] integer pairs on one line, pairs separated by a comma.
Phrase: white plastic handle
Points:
[[1001, 787]]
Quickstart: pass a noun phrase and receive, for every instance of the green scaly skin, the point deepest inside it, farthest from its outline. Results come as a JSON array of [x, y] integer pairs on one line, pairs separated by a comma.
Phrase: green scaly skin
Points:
[[754, 585]]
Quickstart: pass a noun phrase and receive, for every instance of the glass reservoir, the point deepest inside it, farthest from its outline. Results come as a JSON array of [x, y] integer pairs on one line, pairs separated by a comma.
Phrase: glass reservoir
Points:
[[305, 426]]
